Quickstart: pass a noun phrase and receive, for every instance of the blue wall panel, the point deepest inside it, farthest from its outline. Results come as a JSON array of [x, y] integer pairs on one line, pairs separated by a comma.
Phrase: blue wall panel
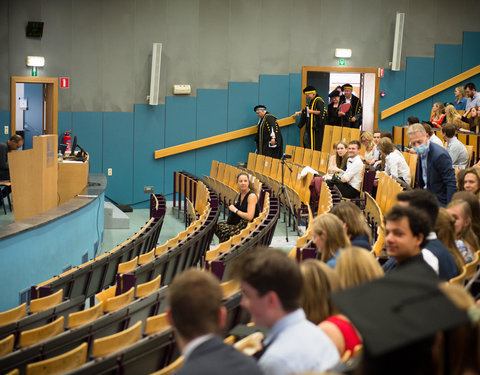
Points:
[[238, 150], [205, 155], [65, 122], [180, 120], [88, 127], [242, 98], [419, 77], [292, 132], [393, 84], [471, 50], [118, 155], [184, 161], [273, 92], [212, 108], [149, 123], [448, 63], [33, 115], [4, 121]]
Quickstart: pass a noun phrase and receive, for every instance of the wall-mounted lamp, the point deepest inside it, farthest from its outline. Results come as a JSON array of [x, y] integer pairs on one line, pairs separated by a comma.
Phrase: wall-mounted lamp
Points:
[[343, 53], [34, 62]]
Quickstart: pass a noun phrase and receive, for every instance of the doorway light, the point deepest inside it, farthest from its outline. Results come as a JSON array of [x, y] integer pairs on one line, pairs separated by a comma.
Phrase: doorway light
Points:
[[343, 53], [35, 62]]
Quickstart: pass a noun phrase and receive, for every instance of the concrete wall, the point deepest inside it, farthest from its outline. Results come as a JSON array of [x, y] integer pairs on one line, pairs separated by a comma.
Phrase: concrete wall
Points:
[[104, 46]]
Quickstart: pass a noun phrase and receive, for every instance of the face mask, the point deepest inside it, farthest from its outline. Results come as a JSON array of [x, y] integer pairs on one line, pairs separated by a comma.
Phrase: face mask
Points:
[[420, 150]]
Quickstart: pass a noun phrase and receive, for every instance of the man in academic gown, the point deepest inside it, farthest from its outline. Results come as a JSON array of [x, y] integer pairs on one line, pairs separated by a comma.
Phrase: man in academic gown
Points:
[[353, 115], [269, 138]]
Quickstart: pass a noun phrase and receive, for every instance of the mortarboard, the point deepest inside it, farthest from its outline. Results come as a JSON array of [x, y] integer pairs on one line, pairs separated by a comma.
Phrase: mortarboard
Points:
[[333, 94], [309, 90], [259, 107], [347, 86]]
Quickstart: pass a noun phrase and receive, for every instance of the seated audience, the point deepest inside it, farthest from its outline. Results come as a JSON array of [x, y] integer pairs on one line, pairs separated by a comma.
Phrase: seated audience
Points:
[[272, 286], [356, 225], [454, 147], [244, 209], [319, 281], [461, 212], [472, 118], [386, 133], [430, 134], [472, 201], [412, 120], [469, 180], [338, 161], [445, 229], [349, 184], [395, 164], [453, 117], [434, 165], [13, 144], [473, 99], [438, 114], [329, 236], [460, 99], [434, 253], [196, 313], [366, 139], [377, 135], [356, 266]]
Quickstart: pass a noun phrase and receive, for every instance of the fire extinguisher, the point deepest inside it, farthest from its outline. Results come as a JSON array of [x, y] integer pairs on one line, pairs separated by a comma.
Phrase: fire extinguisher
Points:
[[67, 140]]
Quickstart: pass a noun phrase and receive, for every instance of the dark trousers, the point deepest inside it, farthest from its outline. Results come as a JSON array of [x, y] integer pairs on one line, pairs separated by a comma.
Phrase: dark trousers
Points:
[[345, 189]]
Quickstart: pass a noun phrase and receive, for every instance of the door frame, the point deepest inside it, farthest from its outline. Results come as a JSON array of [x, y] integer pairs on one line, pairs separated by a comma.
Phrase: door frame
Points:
[[50, 92], [338, 69]]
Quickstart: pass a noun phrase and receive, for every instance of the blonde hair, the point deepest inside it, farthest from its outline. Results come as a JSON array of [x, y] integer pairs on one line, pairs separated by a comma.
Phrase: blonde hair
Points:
[[461, 90], [356, 266], [440, 110], [319, 280], [467, 235], [335, 235], [369, 137], [453, 117], [445, 229], [386, 145]]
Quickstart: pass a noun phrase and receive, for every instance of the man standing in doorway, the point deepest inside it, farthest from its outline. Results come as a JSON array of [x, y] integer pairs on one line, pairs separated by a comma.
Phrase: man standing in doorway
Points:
[[313, 116], [269, 138], [354, 112]]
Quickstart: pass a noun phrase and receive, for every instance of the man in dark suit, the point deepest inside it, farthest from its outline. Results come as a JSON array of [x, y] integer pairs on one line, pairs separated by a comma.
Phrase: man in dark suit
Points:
[[434, 166], [196, 312]]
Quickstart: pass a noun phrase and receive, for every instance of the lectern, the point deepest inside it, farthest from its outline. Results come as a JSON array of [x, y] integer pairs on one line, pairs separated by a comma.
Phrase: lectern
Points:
[[34, 175]]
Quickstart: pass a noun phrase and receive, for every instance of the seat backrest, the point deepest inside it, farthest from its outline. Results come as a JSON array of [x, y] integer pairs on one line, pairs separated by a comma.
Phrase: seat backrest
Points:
[[290, 150], [148, 287], [298, 157], [110, 344], [472, 266], [155, 324], [35, 335], [252, 160], [159, 250], [307, 157], [80, 318], [172, 368], [117, 302], [127, 266], [250, 344], [106, 294], [40, 304], [146, 258], [61, 363], [230, 287], [13, 315], [327, 138], [460, 279], [213, 169], [6, 345]]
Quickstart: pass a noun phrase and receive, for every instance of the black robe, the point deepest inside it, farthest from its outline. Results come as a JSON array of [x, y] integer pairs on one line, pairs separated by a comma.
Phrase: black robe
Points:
[[314, 124], [333, 118], [266, 126], [354, 111]]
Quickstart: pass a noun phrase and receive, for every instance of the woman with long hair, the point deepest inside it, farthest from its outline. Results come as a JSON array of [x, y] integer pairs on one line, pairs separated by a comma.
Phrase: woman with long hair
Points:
[[460, 99], [329, 236], [469, 180], [356, 225], [395, 164], [338, 161], [472, 118], [461, 212], [445, 229], [472, 201], [438, 114], [453, 117], [366, 139]]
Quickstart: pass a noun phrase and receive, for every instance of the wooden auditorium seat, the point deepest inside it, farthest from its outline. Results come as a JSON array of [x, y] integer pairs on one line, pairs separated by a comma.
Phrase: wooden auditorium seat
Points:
[[36, 335], [80, 318], [110, 344], [61, 363]]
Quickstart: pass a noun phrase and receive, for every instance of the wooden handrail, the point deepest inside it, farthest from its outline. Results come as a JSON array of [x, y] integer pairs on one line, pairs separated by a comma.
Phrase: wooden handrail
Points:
[[430, 92], [215, 139]]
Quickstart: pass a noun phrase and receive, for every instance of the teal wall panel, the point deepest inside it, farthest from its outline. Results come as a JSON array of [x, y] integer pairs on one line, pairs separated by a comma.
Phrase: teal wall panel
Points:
[[180, 120], [184, 161], [205, 155], [242, 98], [448, 64], [88, 127], [418, 77], [292, 132], [470, 50], [238, 150], [393, 84], [274, 94], [4, 121], [149, 122], [118, 155], [212, 106]]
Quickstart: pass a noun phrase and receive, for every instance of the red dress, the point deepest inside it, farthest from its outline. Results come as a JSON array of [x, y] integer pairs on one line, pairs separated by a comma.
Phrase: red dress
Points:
[[348, 331], [437, 123]]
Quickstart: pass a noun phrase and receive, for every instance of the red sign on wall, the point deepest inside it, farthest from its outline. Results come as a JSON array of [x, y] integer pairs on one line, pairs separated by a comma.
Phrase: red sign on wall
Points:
[[64, 82], [380, 72]]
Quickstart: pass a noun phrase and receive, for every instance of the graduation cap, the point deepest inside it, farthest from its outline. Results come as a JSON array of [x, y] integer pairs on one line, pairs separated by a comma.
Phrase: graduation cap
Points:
[[347, 86], [334, 94], [259, 108], [309, 90], [400, 309]]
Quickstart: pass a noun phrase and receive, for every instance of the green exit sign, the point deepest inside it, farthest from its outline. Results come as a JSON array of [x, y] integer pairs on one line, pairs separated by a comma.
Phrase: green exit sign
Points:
[[341, 62]]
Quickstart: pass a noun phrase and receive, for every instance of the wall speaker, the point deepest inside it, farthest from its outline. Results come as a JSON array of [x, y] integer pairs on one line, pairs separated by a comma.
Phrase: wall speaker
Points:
[[155, 74], [397, 41]]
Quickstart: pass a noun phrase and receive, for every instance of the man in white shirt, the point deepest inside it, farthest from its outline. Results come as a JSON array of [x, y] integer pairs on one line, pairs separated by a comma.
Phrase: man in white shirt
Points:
[[350, 183], [454, 147], [271, 283]]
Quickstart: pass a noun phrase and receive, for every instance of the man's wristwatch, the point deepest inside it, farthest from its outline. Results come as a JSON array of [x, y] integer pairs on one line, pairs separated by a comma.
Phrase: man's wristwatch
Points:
[[236, 211]]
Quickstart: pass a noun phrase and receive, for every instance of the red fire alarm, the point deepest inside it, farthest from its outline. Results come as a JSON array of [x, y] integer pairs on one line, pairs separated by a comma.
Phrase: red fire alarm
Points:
[[64, 82], [382, 94]]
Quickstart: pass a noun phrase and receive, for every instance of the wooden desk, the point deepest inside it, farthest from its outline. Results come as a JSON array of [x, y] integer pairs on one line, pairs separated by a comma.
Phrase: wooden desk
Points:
[[72, 179]]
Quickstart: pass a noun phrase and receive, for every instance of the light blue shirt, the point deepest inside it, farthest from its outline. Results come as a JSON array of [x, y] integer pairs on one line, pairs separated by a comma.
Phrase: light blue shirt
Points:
[[296, 345], [471, 102], [423, 160]]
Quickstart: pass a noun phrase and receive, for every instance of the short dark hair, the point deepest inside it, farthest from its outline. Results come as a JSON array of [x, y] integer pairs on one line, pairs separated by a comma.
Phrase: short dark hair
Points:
[[418, 220], [387, 134], [428, 128], [266, 270], [195, 299], [470, 86], [355, 142], [16, 138], [423, 200], [413, 120], [449, 130]]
